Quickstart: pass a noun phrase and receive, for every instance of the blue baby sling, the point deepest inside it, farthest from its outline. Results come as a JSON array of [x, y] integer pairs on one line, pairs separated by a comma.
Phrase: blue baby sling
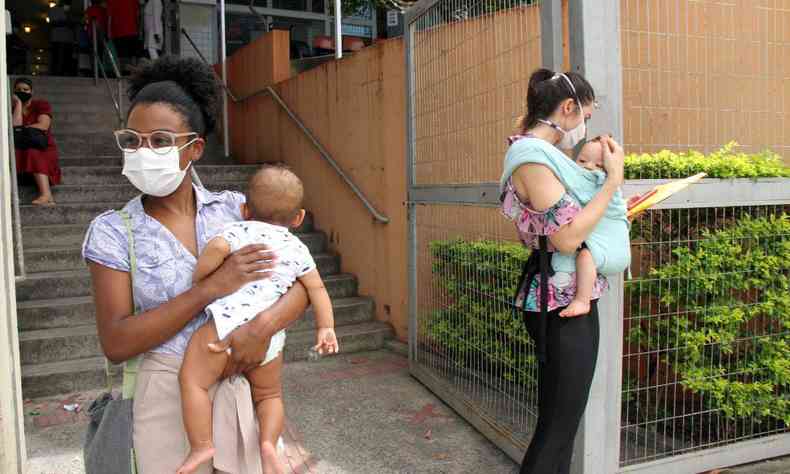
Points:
[[608, 242]]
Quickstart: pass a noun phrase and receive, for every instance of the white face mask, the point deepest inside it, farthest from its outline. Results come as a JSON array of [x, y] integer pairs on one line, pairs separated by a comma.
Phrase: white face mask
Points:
[[154, 174], [570, 138]]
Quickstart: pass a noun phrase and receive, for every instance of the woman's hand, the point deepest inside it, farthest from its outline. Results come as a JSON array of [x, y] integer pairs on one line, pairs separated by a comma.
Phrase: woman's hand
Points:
[[247, 350], [15, 102], [246, 265], [613, 158]]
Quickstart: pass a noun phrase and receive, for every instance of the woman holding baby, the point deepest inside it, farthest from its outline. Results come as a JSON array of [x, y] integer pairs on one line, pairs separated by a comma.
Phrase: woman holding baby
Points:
[[570, 210], [142, 261]]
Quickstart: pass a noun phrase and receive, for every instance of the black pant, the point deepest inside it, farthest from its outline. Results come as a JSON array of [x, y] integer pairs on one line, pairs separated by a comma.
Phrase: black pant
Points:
[[563, 388], [61, 58]]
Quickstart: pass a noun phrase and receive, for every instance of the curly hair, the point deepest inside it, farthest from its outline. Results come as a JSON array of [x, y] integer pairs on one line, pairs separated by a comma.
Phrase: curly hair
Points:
[[185, 84]]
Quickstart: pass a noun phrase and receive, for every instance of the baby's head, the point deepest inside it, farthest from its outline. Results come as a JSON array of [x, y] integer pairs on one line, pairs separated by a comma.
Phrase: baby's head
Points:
[[274, 196], [589, 155]]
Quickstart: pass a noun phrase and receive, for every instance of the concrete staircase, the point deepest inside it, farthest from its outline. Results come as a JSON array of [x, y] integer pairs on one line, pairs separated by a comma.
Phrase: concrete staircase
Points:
[[59, 346]]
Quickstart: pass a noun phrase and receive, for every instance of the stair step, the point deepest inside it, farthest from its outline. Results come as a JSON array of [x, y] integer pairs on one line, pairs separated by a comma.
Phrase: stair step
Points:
[[67, 193], [43, 346], [106, 175], [55, 259], [79, 311], [47, 236], [52, 345], [115, 159], [55, 378], [86, 144], [362, 337], [74, 283], [69, 214]]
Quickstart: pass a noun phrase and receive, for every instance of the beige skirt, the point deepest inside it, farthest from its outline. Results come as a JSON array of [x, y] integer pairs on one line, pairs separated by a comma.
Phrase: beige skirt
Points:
[[160, 442]]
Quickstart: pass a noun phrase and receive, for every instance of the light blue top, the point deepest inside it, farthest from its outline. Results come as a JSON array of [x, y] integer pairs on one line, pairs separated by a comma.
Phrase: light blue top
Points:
[[609, 241], [164, 265]]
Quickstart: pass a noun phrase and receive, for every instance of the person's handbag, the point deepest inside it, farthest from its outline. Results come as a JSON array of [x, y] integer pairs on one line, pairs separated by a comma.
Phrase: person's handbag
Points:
[[26, 138], [109, 447]]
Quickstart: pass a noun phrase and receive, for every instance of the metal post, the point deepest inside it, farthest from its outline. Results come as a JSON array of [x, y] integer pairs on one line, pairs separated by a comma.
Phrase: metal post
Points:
[[95, 55], [551, 36], [595, 53], [224, 52], [338, 30], [410, 182]]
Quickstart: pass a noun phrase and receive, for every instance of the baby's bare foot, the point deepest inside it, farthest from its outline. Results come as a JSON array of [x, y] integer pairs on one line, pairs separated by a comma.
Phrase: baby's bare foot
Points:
[[195, 459], [576, 308], [271, 460]]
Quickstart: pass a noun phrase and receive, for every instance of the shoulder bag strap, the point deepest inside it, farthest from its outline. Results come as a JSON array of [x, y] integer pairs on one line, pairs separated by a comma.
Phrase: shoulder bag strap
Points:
[[544, 297], [131, 365]]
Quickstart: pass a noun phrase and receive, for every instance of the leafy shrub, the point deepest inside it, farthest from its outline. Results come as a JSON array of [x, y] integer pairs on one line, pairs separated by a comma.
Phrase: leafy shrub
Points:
[[719, 315], [478, 324], [725, 163]]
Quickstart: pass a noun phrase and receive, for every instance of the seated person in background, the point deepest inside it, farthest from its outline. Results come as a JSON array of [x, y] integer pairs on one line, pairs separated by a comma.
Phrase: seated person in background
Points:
[[36, 153]]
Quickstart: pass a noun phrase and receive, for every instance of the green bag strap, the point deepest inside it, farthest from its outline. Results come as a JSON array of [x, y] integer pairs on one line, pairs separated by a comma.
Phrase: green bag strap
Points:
[[131, 366]]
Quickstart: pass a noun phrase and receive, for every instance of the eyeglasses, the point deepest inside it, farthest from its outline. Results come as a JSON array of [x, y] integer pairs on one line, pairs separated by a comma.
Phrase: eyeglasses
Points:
[[160, 141]]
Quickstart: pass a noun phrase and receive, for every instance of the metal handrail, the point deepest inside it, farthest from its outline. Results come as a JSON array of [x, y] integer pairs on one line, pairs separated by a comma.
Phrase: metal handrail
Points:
[[308, 133], [118, 104], [18, 248]]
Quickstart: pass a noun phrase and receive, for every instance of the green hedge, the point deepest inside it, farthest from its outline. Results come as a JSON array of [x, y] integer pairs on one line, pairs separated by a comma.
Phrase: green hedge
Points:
[[725, 163], [725, 309], [718, 301], [478, 325]]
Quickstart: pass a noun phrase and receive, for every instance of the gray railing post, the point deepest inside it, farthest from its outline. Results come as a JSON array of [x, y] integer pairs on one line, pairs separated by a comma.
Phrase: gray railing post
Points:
[[95, 55], [21, 271], [595, 53]]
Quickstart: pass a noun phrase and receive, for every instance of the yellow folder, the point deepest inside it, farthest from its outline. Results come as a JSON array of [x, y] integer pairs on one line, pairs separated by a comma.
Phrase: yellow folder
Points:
[[662, 192]]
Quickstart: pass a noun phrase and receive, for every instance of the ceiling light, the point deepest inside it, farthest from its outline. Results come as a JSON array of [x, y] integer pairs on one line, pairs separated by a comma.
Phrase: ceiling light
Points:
[[47, 19], [52, 4], [27, 29]]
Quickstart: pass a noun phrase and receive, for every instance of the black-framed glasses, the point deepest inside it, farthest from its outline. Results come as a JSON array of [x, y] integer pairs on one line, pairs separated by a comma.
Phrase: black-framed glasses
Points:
[[160, 141]]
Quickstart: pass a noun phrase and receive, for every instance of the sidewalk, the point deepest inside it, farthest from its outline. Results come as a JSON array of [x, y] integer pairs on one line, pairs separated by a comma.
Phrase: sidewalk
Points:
[[359, 413]]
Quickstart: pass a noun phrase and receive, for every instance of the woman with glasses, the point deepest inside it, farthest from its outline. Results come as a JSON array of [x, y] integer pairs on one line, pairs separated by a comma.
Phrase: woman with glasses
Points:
[[173, 108], [36, 152]]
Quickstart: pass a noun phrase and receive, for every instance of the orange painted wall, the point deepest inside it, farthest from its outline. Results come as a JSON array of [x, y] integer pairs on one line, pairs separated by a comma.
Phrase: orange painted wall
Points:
[[355, 107]]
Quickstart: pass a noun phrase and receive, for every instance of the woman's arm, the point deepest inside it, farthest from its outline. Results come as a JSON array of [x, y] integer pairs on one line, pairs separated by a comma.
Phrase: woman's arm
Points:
[[250, 342], [17, 108], [42, 123], [124, 335], [542, 189]]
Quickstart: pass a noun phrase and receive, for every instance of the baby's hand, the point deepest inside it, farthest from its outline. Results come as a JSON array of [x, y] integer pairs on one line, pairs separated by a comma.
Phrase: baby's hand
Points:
[[326, 342]]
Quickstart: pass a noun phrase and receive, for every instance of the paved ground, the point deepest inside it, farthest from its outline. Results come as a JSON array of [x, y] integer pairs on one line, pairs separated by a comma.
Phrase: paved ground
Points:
[[359, 413]]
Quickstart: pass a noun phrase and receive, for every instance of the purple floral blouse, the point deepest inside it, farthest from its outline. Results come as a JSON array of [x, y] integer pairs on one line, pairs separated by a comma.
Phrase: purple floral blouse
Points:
[[530, 224]]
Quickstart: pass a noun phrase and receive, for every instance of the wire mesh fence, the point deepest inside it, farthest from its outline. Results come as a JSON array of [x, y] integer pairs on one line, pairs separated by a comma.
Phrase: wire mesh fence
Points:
[[706, 315], [706, 330], [472, 61], [471, 65], [467, 338]]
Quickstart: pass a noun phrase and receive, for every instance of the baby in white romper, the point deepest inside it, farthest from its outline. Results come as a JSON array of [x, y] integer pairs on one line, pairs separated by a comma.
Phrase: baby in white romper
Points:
[[274, 205]]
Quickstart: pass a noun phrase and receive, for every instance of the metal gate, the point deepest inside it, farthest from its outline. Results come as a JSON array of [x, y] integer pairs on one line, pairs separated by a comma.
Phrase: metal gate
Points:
[[468, 66], [469, 63]]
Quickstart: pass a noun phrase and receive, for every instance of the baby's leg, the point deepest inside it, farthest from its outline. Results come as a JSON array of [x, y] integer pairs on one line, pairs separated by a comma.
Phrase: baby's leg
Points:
[[585, 280], [200, 370], [267, 396]]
